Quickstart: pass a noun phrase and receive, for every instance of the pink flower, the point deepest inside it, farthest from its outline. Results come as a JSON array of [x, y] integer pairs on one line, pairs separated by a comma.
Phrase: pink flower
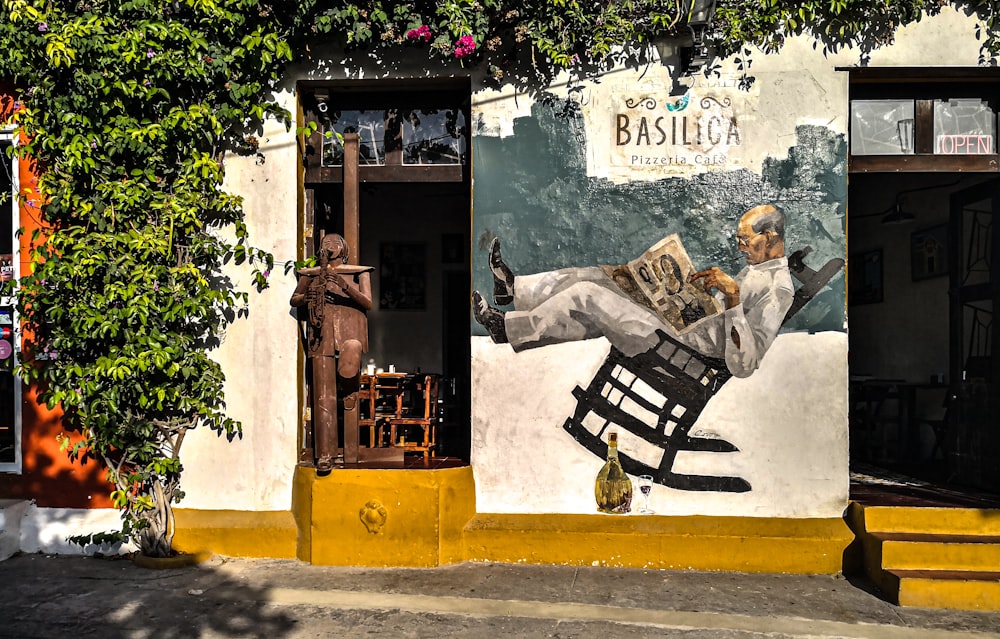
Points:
[[149, 53], [43, 27], [423, 32], [465, 46]]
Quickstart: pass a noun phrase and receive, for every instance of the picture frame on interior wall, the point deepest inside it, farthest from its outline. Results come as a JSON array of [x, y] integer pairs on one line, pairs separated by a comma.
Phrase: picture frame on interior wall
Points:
[[865, 277], [929, 253], [402, 276]]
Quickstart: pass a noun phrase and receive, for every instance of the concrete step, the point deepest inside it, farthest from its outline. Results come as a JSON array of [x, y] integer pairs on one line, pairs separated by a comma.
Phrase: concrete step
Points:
[[954, 589], [918, 551], [11, 513], [941, 521], [931, 557]]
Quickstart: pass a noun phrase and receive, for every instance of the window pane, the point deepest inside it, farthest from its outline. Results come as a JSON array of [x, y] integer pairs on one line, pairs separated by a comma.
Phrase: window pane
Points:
[[434, 137], [370, 127], [964, 127], [881, 127], [430, 136]]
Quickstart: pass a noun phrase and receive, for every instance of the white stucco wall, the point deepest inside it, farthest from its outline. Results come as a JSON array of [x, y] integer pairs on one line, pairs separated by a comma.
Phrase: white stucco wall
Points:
[[259, 354], [47, 530]]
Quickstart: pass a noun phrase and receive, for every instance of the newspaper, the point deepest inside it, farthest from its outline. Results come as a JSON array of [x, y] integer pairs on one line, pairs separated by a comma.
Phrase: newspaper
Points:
[[659, 280]]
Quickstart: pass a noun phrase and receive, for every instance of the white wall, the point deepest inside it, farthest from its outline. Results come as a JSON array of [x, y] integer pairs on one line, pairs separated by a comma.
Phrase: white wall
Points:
[[259, 355], [47, 530]]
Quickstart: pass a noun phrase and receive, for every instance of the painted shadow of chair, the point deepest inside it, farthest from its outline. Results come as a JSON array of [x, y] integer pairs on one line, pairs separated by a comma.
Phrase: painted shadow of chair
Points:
[[658, 395]]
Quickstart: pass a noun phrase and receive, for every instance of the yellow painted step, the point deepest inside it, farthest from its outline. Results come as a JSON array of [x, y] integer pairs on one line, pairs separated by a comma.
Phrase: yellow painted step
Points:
[[939, 552], [958, 590], [945, 521]]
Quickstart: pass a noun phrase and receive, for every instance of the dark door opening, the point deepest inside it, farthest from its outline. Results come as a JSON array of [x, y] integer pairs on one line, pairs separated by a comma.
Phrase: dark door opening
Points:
[[416, 236], [386, 164], [920, 320]]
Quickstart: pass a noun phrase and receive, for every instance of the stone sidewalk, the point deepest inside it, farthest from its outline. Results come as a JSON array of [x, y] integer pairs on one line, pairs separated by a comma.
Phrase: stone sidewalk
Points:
[[54, 597]]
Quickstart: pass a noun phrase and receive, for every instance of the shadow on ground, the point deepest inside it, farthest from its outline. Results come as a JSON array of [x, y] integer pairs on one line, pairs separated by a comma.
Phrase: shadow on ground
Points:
[[58, 596]]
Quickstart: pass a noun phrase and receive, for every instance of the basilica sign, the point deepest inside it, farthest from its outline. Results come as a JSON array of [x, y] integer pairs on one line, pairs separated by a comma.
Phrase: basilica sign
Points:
[[698, 128]]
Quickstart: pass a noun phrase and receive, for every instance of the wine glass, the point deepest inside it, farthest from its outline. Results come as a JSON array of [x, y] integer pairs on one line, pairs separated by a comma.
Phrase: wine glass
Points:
[[646, 487]]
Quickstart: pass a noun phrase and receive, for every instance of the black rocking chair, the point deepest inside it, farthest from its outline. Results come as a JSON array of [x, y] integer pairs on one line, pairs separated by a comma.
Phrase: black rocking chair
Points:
[[659, 395]]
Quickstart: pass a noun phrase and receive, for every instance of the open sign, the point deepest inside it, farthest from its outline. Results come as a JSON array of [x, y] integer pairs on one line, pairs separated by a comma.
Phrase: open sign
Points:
[[965, 144]]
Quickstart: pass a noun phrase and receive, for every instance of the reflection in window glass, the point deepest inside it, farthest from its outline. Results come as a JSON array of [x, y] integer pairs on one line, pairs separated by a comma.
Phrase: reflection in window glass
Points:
[[964, 127], [370, 127], [429, 136], [434, 137], [881, 127]]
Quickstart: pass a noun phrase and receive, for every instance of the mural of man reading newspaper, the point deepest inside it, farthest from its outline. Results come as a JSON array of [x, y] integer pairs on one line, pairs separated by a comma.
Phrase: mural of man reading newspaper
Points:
[[629, 306], [677, 335]]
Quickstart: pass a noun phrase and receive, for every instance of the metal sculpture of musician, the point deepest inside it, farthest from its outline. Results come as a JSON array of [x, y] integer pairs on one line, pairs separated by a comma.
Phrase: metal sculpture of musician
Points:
[[337, 296]]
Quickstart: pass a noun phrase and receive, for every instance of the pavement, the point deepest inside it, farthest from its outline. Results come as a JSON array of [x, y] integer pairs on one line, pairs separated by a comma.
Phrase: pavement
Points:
[[77, 597]]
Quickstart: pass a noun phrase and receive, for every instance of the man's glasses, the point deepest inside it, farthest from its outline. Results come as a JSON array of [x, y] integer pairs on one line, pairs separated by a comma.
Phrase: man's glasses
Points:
[[744, 240]]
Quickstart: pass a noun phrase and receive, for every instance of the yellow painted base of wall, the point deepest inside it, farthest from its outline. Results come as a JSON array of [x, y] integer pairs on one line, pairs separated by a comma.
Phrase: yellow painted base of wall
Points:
[[744, 544], [362, 517], [426, 518], [236, 533]]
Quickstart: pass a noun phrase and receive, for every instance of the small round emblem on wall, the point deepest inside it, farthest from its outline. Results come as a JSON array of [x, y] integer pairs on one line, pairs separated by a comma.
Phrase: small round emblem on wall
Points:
[[373, 516]]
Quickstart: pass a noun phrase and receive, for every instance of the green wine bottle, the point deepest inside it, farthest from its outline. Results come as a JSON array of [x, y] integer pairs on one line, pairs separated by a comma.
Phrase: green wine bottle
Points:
[[613, 488]]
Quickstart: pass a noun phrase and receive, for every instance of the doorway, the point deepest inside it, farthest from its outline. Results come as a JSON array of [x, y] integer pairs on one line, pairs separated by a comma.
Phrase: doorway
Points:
[[387, 166], [416, 236], [920, 310]]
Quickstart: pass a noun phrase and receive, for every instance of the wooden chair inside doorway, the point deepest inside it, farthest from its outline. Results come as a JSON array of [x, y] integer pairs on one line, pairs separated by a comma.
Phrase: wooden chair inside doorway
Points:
[[414, 427]]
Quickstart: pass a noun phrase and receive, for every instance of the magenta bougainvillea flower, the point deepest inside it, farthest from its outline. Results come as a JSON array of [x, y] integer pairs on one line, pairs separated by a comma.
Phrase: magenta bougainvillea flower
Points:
[[422, 33], [465, 46]]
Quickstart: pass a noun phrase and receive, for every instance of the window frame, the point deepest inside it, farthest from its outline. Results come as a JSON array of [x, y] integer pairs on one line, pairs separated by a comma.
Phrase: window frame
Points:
[[924, 85], [8, 137], [375, 94]]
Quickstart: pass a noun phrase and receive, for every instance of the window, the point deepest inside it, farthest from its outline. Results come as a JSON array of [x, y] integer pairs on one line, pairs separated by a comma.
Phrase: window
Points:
[[964, 127], [408, 130], [923, 119], [429, 136], [10, 386], [881, 127]]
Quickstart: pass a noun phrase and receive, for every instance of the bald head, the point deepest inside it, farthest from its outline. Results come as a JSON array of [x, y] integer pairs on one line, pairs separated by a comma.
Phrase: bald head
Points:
[[761, 234]]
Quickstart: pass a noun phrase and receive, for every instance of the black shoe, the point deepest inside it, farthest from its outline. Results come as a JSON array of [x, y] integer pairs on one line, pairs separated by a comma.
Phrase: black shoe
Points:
[[492, 319], [503, 277]]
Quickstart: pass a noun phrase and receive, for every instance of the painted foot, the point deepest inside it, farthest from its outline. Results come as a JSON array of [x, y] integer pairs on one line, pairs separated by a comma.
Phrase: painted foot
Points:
[[492, 319], [503, 277]]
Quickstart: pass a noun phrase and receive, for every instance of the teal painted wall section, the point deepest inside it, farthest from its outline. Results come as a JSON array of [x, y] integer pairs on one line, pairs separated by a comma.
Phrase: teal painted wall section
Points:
[[532, 191]]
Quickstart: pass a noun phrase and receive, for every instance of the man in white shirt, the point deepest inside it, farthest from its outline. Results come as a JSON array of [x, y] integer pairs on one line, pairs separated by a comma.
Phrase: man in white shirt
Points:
[[583, 303]]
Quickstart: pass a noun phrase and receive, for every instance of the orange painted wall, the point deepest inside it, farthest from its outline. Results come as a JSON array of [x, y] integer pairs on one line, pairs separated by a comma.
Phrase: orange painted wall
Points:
[[48, 476]]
